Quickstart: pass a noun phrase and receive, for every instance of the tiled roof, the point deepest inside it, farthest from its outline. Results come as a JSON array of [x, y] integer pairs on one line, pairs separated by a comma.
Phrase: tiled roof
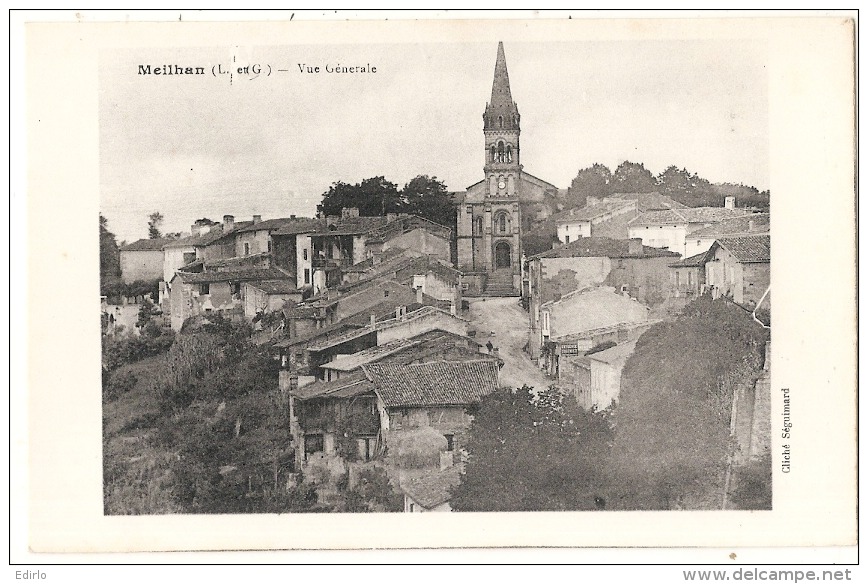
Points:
[[347, 386], [208, 238], [351, 226], [240, 275], [439, 383], [590, 309], [276, 287], [331, 331], [300, 225], [614, 354], [691, 262], [590, 212], [235, 261], [649, 201], [268, 224], [737, 226], [603, 247], [436, 337], [688, 215], [748, 249], [387, 255], [432, 488], [384, 310], [405, 224], [148, 244]]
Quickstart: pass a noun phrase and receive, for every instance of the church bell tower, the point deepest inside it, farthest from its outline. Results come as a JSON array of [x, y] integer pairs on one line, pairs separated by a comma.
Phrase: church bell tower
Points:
[[501, 126]]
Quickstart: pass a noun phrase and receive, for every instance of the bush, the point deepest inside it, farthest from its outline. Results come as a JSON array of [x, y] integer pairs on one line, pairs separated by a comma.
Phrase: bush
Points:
[[118, 351], [120, 383]]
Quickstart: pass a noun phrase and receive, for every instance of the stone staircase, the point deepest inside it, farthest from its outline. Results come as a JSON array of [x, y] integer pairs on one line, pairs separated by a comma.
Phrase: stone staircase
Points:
[[500, 284]]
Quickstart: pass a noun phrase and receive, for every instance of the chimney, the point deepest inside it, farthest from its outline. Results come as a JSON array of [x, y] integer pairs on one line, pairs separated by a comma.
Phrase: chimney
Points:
[[228, 223], [729, 202], [419, 295], [634, 247], [257, 219], [391, 217], [292, 216], [373, 320], [195, 229]]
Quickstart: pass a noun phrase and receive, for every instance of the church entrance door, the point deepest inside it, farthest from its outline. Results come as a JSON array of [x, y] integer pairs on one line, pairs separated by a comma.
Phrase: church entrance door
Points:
[[502, 255]]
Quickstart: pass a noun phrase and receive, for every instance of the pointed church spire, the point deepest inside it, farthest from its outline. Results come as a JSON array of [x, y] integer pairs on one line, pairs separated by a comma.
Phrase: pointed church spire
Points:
[[501, 111]]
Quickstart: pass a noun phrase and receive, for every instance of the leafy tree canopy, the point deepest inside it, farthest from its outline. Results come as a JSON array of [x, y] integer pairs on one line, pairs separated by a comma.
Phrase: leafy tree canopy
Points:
[[155, 222], [633, 177], [594, 181], [109, 256]]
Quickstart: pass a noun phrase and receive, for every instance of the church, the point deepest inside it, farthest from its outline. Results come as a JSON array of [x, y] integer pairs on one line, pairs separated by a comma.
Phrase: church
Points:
[[494, 212]]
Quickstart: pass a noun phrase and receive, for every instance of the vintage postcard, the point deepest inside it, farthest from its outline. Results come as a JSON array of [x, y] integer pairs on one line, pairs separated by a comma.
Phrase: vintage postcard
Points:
[[563, 282]]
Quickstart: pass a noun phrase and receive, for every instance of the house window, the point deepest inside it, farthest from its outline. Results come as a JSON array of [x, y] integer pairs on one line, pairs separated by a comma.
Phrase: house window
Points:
[[307, 276], [204, 288], [566, 239], [236, 288], [566, 227], [690, 279], [312, 443], [385, 293], [470, 208], [304, 254], [412, 507], [246, 248], [450, 442], [677, 279], [269, 246]]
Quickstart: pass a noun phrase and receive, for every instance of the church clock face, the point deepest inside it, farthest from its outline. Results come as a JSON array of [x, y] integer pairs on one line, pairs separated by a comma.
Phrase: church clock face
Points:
[[501, 185]]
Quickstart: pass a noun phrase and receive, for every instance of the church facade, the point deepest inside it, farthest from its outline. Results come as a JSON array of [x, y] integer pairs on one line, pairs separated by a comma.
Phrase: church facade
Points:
[[496, 211]]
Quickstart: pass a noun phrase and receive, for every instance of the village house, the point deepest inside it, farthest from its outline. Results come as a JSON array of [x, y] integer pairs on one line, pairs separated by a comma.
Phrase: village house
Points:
[[292, 248], [193, 294], [575, 223], [142, 259], [669, 229], [597, 376], [338, 244], [435, 277], [375, 412], [583, 320], [640, 271], [687, 276], [702, 239], [266, 297], [255, 238], [410, 232], [739, 267]]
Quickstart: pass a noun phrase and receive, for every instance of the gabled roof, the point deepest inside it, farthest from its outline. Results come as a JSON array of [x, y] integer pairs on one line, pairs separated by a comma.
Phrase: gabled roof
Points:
[[695, 261], [268, 224], [590, 212], [438, 383], [148, 244], [593, 308], [405, 224], [687, 215], [335, 330], [240, 275], [432, 488], [300, 225], [603, 247], [210, 237], [351, 226], [347, 386], [649, 201], [237, 261], [276, 287], [736, 226], [614, 354], [752, 249]]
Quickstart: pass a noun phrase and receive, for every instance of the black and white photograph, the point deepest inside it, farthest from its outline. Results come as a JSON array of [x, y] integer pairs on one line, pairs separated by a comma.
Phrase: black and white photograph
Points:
[[376, 269]]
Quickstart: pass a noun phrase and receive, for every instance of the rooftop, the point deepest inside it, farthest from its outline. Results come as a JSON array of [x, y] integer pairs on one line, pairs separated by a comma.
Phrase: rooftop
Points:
[[688, 215], [276, 287], [438, 383], [737, 226], [240, 275], [209, 237], [649, 201], [268, 224], [405, 224], [590, 212], [350, 226], [148, 244], [604, 247], [300, 225], [614, 354], [751, 249], [347, 386], [695, 261]]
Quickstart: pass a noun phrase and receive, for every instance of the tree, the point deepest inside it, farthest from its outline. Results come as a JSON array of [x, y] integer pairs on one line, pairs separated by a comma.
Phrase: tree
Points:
[[534, 452], [672, 422], [594, 181], [688, 188], [427, 197], [109, 257], [155, 221], [633, 177], [373, 197]]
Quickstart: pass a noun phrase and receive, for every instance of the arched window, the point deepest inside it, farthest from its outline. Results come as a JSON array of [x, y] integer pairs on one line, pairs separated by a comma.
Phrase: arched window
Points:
[[500, 154], [509, 153], [499, 121], [479, 225], [493, 153], [501, 224], [515, 121]]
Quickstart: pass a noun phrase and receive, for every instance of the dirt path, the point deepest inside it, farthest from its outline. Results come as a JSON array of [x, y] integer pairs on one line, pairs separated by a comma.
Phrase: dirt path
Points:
[[509, 323]]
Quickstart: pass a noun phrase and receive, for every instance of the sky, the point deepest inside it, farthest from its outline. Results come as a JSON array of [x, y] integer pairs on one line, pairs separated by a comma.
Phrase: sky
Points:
[[200, 146]]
